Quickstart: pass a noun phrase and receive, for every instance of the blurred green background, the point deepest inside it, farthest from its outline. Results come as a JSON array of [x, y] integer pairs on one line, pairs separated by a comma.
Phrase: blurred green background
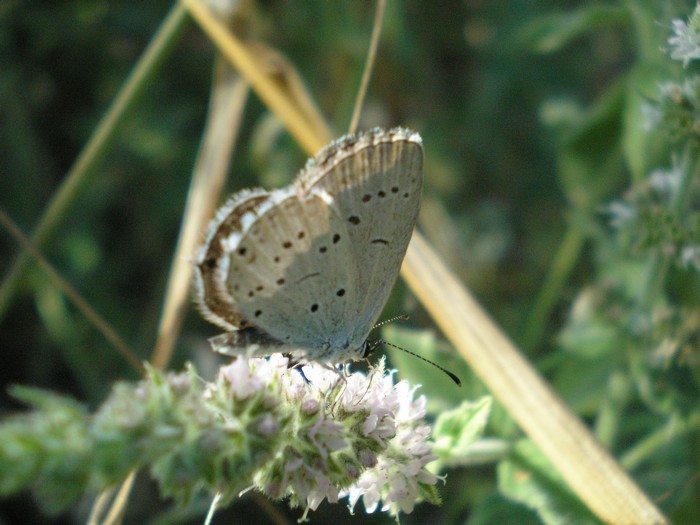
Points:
[[530, 115]]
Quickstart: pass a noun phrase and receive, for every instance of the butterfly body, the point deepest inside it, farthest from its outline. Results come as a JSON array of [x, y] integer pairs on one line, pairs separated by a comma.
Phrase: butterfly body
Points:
[[307, 269]]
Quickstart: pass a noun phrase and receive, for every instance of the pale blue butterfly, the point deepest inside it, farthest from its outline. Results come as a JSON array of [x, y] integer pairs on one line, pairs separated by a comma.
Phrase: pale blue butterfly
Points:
[[307, 269]]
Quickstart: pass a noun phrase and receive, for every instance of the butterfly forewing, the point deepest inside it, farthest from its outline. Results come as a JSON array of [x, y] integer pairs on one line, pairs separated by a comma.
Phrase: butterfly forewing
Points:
[[376, 193]]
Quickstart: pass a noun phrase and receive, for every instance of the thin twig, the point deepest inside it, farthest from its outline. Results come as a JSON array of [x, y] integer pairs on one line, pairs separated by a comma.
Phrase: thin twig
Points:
[[369, 65], [88, 311], [116, 512]]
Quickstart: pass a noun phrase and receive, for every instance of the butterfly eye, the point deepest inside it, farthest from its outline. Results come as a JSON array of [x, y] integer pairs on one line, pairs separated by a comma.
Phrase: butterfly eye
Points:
[[367, 349]]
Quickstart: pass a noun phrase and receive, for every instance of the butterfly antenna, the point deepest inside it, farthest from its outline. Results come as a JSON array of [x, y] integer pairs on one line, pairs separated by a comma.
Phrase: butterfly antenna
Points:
[[403, 317], [452, 376]]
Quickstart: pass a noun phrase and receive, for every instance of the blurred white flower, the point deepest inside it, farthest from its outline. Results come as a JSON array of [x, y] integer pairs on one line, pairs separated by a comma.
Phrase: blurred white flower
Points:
[[690, 257], [685, 42], [247, 377]]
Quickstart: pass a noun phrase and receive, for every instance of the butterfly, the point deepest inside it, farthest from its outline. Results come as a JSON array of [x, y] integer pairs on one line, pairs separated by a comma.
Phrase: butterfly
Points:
[[307, 269]]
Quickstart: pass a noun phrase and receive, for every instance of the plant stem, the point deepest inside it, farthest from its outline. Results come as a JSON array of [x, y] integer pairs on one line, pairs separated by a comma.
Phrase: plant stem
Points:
[[610, 414], [564, 261], [659, 263], [662, 437]]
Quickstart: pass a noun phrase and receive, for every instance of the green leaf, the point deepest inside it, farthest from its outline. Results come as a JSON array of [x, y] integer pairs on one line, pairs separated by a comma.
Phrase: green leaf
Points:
[[549, 33], [531, 480], [590, 153], [50, 402], [644, 149], [456, 430]]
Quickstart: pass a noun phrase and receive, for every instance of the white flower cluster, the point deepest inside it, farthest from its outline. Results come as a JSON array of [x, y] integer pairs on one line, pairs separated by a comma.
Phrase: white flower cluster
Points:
[[397, 474], [353, 436], [685, 42]]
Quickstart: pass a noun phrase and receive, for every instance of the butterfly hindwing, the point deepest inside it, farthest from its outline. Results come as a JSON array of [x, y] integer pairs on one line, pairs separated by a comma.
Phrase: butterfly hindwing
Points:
[[288, 269]]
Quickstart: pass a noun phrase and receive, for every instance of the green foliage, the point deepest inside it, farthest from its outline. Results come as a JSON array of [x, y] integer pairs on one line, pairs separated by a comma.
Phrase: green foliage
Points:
[[530, 479], [165, 423], [456, 430], [47, 450]]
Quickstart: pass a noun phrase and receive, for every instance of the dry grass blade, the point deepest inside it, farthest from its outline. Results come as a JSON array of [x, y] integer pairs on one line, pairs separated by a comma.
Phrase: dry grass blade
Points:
[[288, 81], [229, 95], [116, 511], [99, 505], [270, 92], [212, 509]]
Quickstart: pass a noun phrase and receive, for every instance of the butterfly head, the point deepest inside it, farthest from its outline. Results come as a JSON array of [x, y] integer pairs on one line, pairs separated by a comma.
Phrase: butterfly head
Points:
[[368, 347]]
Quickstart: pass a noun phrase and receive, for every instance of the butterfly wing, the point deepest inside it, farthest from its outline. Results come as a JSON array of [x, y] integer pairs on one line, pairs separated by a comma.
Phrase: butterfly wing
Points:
[[287, 269], [312, 265], [212, 260], [376, 195]]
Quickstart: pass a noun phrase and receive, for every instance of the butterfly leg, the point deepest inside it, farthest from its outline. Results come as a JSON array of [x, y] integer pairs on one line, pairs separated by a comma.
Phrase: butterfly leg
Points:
[[296, 364]]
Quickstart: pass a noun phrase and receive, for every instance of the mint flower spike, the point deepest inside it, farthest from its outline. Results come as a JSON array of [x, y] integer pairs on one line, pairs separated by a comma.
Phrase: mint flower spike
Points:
[[258, 425], [685, 42], [361, 436]]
